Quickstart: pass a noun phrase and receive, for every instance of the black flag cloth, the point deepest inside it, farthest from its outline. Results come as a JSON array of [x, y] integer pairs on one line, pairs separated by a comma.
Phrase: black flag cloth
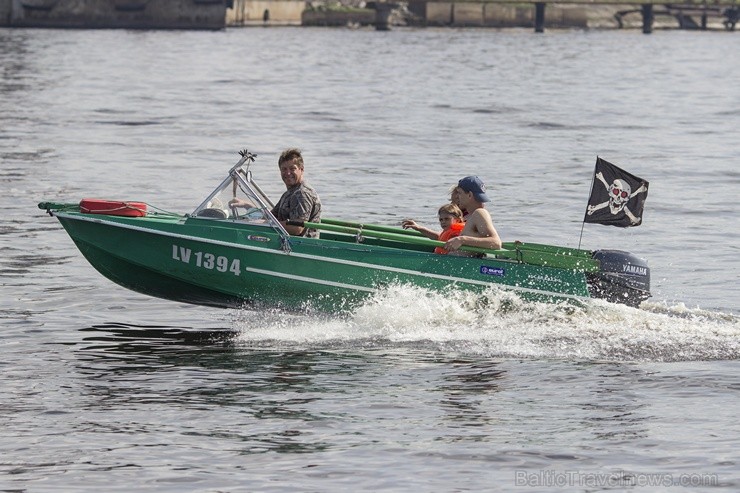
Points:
[[617, 197]]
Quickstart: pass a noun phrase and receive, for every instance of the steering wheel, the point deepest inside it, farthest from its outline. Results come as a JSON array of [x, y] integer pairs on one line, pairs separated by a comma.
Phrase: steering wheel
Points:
[[212, 213]]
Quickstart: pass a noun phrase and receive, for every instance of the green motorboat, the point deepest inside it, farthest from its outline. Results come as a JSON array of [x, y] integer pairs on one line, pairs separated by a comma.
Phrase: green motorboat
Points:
[[228, 257]]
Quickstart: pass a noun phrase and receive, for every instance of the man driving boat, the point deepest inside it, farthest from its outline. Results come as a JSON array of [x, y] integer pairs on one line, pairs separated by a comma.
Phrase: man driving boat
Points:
[[299, 202]]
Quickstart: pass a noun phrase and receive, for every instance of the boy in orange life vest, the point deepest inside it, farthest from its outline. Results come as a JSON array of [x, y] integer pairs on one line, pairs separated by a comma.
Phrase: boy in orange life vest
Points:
[[451, 220]]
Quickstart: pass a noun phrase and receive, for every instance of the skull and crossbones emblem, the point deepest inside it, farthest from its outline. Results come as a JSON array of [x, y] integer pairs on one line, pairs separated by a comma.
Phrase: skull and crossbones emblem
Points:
[[620, 193]]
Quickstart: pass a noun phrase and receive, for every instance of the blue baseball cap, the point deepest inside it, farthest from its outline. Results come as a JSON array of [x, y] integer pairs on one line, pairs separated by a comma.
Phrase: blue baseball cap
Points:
[[475, 185]]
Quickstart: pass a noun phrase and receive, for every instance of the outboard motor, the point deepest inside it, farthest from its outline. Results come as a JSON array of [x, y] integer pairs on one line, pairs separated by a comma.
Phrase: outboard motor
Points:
[[623, 278]]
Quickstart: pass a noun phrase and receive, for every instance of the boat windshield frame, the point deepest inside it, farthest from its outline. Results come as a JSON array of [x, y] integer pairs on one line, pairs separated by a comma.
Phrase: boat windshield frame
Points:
[[240, 179]]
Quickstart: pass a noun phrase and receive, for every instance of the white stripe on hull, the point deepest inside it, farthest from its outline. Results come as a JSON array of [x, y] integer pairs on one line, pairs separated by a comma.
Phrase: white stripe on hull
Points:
[[323, 282]]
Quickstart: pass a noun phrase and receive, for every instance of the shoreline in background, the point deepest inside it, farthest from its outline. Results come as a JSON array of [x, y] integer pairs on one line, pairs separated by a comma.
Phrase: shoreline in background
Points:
[[219, 14], [473, 15]]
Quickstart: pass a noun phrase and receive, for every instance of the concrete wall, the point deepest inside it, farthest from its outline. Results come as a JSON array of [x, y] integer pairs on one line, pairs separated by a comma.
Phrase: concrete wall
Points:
[[484, 14], [566, 17], [252, 12], [131, 14], [466, 14], [498, 15], [436, 13], [362, 17]]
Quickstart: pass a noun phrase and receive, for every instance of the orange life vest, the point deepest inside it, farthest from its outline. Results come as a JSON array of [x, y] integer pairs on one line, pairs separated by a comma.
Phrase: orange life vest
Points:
[[454, 230]]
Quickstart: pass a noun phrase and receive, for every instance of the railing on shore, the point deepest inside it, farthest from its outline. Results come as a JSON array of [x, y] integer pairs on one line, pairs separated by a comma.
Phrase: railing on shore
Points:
[[520, 13], [474, 12]]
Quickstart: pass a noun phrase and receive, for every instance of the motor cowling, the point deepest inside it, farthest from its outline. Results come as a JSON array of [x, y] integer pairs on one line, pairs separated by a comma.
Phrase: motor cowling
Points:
[[622, 278]]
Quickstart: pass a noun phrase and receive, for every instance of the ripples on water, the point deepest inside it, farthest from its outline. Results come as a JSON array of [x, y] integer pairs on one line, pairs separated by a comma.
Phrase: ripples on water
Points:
[[373, 404], [413, 391]]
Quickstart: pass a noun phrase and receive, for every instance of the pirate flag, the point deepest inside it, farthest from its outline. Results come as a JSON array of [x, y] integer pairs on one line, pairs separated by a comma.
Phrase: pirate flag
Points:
[[617, 197]]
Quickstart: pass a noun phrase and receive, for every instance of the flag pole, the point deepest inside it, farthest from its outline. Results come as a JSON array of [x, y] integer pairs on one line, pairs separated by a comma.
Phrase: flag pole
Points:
[[591, 190]]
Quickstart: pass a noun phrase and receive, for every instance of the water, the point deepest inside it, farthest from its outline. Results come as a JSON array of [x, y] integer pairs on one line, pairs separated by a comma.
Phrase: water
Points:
[[413, 391]]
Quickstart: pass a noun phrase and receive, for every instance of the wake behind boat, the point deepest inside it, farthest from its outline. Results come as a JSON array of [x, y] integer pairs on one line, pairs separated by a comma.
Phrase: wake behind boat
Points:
[[221, 256]]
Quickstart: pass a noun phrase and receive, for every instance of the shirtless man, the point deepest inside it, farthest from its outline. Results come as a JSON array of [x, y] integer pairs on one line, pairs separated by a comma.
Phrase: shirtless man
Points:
[[479, 230]]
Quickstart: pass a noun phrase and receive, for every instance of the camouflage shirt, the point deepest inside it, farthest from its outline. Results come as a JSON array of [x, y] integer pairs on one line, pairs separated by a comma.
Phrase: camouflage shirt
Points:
[[300, 203]]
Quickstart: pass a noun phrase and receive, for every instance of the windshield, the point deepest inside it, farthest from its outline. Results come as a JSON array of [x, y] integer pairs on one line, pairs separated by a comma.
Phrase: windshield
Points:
[[238, 198]]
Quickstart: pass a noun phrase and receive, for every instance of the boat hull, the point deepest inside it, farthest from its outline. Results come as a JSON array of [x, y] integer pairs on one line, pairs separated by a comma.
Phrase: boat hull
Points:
[[230, 264]]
